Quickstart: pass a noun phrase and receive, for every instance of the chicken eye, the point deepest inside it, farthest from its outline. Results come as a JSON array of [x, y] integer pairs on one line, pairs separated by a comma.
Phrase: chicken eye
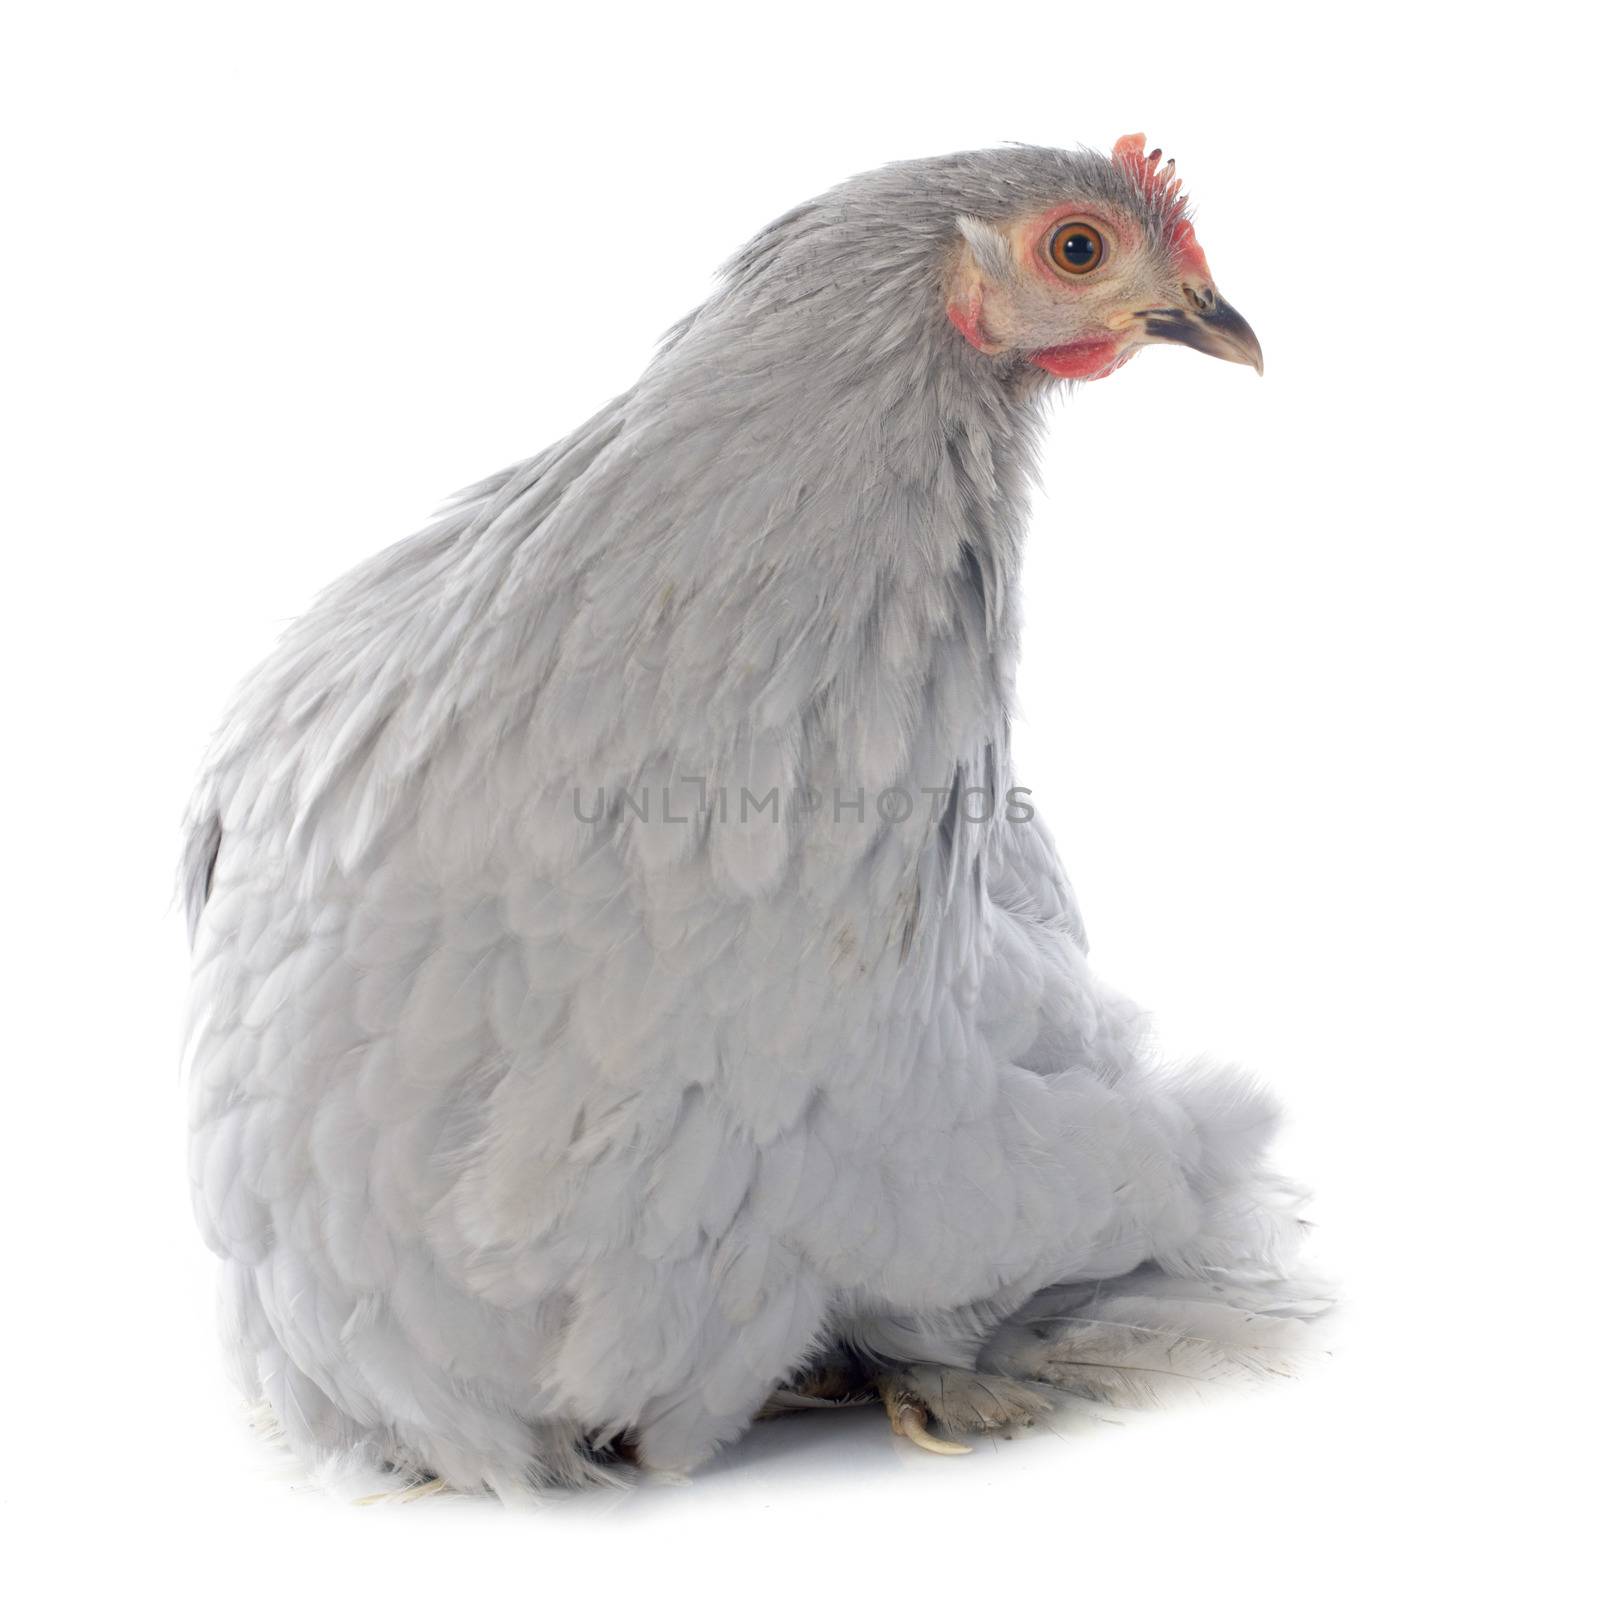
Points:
[[1077, 248]]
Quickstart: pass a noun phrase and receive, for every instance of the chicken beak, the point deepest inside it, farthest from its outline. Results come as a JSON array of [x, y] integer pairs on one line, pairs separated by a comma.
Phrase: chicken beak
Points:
[[1207, 324]]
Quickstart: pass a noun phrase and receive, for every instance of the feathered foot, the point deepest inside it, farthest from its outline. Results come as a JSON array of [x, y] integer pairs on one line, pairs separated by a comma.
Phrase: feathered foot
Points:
[[959, 1401], [915, 1396]]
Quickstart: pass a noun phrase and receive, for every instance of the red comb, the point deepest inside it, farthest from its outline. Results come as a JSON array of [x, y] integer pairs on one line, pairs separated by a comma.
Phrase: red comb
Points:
[[1159, 184]]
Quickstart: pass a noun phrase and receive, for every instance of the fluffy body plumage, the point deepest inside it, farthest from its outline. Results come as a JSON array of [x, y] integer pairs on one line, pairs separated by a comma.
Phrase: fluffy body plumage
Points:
[[525, 1122]]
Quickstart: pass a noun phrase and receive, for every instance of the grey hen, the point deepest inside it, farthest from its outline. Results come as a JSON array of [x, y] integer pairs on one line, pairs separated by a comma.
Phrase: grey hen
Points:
[[630, 990]]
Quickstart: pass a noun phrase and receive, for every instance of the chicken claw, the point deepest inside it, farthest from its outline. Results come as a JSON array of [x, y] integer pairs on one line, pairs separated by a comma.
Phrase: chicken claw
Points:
[[908, 1417]]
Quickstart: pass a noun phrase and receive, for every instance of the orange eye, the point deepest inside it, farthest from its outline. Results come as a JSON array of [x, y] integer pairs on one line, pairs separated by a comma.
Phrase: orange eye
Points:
[[1077, 248]]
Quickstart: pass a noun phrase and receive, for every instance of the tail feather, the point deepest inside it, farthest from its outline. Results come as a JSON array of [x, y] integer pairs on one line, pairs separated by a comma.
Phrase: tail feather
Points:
[[1150, 1336]]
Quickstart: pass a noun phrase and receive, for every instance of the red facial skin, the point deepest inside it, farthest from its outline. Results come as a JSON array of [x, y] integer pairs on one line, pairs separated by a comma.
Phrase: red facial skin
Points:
[[1088, 359], [1085, 360]]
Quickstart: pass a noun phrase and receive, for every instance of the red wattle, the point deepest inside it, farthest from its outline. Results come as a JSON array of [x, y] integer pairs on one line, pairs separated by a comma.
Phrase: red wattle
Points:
[[1086, 360]]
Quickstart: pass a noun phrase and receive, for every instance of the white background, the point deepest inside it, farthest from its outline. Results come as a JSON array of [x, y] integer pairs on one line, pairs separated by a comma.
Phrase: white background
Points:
[[1309, 696]]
